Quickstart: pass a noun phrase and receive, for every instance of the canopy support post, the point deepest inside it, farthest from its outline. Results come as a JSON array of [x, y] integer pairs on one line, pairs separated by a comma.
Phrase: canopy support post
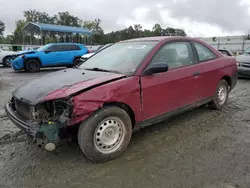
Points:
[[41, 33], [23, 40]]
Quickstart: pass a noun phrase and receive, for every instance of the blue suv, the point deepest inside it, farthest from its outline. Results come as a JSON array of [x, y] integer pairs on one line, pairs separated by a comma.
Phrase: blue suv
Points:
[[50, 55]]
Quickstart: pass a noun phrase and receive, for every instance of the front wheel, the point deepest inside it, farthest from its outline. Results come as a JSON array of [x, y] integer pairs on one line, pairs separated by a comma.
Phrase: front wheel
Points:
[[221, 95], [32, 65], [106, 134]]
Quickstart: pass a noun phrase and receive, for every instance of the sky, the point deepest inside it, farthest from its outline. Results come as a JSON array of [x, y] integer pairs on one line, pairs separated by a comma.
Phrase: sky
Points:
[[199, 18]]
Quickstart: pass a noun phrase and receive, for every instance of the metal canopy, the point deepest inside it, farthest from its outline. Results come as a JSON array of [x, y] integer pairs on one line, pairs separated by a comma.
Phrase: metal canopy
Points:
[[32, 27]]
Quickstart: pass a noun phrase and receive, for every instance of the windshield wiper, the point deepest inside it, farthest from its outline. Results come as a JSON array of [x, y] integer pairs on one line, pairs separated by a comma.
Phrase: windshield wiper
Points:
[[101, 70]]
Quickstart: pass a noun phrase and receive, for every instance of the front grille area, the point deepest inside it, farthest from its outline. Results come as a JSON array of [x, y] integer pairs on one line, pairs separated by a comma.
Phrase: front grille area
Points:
[[23, 108], [247, 65]]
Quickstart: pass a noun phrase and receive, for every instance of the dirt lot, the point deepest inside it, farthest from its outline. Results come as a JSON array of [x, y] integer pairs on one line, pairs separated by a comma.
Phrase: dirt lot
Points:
[[201, 148]]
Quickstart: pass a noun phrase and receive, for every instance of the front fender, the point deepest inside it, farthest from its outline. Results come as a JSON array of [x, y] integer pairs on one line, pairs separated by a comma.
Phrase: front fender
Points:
[[126, 91]]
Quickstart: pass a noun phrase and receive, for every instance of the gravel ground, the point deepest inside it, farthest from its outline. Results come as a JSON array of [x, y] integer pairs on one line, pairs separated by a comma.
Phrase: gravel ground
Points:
[[201, 148]]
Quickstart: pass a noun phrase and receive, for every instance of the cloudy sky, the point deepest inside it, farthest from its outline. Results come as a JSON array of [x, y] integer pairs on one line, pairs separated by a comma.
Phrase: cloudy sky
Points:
[[196, 17]]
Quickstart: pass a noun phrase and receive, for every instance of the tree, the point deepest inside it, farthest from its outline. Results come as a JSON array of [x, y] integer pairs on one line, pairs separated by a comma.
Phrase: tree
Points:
[[173, 32], [2, 28], [157, 30], [138, 29], [17, 35], [95, 28]]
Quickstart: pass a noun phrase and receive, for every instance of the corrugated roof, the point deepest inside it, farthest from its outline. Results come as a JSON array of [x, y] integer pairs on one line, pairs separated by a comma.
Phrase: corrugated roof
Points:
[[37, 27]]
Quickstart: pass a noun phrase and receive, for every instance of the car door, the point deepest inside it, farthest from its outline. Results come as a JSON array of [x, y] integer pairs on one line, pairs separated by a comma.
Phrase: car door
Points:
[[209, 68], [73, 51], [167, 91], [52, 56]]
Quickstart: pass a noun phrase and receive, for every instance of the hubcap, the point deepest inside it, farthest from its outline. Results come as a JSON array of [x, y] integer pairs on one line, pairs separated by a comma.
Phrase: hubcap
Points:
[[33, 65], [222, 94], [109, 135]]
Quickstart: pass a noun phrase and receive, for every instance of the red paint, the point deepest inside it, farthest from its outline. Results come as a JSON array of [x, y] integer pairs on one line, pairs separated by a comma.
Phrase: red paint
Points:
[[152, 95], [125, 91]]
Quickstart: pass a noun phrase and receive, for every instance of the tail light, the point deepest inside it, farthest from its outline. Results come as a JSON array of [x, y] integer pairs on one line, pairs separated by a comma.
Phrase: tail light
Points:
[[88, 51]]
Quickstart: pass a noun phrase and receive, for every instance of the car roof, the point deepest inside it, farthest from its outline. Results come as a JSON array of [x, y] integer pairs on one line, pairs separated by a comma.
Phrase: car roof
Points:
[[62, 43], [159, 38]]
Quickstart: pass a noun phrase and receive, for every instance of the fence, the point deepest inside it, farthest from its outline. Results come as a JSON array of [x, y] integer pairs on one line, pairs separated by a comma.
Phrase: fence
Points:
[[237, 44]]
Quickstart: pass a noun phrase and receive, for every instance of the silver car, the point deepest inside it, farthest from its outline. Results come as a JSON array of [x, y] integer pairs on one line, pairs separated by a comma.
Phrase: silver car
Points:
[[243, 63]]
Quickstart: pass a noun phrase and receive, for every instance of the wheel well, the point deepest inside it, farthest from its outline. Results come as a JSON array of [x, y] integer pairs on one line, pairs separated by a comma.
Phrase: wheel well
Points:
[[125, 107], [228, 79], [36, 58], [76, 58], [7, 56]]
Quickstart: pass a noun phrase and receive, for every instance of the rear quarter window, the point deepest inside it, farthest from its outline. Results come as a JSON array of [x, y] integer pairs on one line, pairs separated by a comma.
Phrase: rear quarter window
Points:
[[71, 47], [204, 53]]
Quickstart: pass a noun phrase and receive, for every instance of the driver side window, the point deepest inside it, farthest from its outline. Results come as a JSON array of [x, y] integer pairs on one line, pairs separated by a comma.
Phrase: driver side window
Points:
[[176, 54]]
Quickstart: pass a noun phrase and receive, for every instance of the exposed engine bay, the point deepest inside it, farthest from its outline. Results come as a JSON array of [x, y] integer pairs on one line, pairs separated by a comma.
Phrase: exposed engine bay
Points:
[[59, 110], [51, 118]]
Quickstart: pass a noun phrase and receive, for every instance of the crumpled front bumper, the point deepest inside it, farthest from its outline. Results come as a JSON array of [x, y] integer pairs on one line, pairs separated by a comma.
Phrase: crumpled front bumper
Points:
[[29, 127], [18, 63]]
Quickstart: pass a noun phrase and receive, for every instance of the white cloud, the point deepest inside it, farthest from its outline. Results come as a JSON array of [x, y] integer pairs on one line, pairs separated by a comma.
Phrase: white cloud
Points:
[[196, 17]]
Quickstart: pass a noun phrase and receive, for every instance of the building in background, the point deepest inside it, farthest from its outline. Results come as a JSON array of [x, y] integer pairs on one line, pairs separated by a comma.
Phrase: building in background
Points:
[[236, 44]]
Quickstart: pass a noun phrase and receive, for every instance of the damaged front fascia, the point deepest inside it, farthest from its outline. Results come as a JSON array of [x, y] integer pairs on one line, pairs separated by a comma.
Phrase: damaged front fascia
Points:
[[68, 93]]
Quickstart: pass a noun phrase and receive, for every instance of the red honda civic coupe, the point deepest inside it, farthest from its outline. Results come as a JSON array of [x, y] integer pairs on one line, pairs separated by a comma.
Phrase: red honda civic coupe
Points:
[[130, 85]]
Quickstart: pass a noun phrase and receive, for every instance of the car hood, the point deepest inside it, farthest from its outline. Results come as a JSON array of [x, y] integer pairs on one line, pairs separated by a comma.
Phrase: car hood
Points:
[[243, 58], [26, 52], [62, 84]]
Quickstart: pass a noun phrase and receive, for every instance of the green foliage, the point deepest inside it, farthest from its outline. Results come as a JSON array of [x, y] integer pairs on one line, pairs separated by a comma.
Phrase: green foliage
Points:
[[65, 18], [2, 28]]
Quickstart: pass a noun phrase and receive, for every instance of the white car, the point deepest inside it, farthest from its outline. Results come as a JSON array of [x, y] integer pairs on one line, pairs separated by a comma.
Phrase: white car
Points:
[[6, 57], [88, 55]]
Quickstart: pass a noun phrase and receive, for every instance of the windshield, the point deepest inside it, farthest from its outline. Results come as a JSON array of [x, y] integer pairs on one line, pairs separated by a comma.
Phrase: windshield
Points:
[[247, 51], [121, 57], [43, 48]]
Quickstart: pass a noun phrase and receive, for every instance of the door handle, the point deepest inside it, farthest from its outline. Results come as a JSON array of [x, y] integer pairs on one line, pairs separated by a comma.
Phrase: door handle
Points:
[[196, 73]]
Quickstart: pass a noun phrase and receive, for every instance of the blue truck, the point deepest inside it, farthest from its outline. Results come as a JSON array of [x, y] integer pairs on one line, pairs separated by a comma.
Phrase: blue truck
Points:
[[50, 55]]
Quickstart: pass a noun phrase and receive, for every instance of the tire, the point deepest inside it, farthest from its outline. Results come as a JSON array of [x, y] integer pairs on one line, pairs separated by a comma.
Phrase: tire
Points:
[[6, 61], [105, 135], [32, 65], [219, 103], [76, 62]]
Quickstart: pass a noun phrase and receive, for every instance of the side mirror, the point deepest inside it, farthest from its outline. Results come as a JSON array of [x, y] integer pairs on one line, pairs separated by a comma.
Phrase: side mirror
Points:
[[156, 68], [47, 51]]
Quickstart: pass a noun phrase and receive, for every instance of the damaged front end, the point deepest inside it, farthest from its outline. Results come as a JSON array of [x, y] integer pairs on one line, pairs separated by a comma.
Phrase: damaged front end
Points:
[[45, 123]]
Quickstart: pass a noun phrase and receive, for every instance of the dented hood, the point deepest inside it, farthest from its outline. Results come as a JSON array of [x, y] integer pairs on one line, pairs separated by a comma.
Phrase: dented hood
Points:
[[62, 84]]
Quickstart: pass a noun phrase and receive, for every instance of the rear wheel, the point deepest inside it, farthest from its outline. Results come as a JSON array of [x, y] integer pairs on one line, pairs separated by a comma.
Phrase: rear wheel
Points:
[[221, 95], [32, 65], [7, 61], [106, 134]]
